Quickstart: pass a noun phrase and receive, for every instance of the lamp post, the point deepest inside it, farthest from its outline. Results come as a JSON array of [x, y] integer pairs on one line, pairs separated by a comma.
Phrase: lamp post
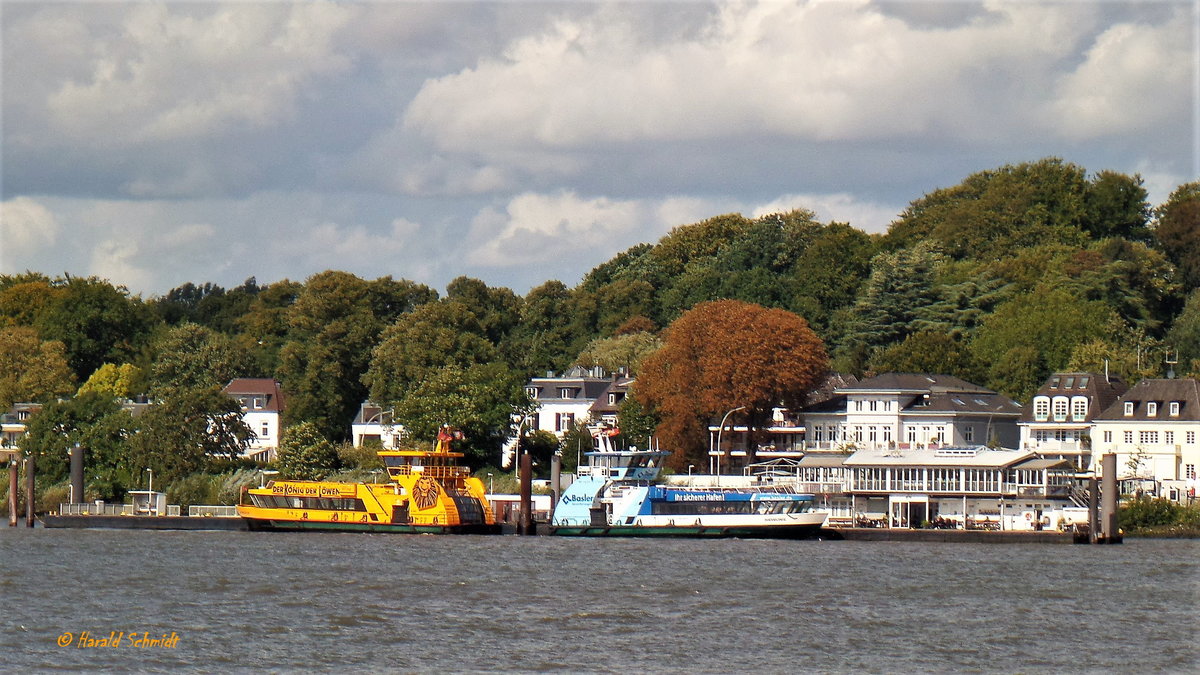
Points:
[[719, 430], [150, 494], [491, 484]]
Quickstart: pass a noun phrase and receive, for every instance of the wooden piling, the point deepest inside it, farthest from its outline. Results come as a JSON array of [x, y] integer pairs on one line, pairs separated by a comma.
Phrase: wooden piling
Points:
[[29, 493], [555, 479], [1108, 500], [12, 491], [525, 523], [77, 474]]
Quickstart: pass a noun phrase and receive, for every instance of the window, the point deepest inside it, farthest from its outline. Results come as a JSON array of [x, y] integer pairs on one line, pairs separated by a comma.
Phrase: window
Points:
[[266, 430], [858, 406], [1148, 437], [1083, 382], [1152, 409], [1079, 408], [1168, 437], [1069, 383], [1173, 411], [941, 435], [887, 435], [912, 435], [563, 421], [532, 391], [1128, 408], [1189, 471], [1054, 383], [1041, 408], [612, 398], [566, 392], [1190, 437], [818, 434], [969, 433], [1108, 437], [1128, 436], [857, 434], [872, 435], [873, 405], [1060, 409]]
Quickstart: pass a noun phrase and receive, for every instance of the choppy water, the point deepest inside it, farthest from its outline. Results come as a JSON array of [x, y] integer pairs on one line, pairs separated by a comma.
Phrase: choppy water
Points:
[[279, 602]]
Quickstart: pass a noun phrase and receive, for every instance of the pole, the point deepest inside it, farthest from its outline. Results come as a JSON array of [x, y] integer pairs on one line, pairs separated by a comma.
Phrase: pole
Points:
[[1108, 498], [12, 491], [525, 524], [1093, 509], [555, 479], [77, 474], [29, 495], [719, 450]]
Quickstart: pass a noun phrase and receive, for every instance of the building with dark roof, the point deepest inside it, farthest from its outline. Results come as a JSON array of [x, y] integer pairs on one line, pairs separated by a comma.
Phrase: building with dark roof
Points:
[[262, 404], [1058, 422], [1154, 429], [901, 411]]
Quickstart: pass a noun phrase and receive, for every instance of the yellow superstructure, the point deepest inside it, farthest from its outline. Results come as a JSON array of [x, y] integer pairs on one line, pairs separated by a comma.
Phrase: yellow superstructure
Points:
[[427, 492]]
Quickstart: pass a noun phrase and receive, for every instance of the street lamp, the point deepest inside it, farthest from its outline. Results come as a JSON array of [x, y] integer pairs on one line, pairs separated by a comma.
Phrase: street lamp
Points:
[[491, 484], [719, 430], [262, 476], [150, 494]]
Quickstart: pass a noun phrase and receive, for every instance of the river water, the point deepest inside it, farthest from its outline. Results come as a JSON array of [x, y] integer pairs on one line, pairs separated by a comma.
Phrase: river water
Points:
[[239, 601]]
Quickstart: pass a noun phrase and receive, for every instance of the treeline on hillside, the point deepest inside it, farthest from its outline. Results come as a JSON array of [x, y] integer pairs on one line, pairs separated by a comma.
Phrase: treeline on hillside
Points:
[[1012, 274]]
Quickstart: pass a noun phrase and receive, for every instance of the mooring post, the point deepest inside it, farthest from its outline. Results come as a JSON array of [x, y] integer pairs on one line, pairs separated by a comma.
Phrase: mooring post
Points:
[[1108, 498], [525, 523], [29, 504], [555, 479], [77, 474], [12, 491], [1093, 509]]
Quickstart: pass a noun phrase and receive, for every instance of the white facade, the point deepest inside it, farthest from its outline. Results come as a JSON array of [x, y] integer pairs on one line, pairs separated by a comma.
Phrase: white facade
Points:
[[262, 405], [374, 424], [1058, 421]]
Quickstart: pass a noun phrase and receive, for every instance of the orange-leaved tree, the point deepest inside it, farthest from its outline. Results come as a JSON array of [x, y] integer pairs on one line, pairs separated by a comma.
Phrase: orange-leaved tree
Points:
[[723, 355]]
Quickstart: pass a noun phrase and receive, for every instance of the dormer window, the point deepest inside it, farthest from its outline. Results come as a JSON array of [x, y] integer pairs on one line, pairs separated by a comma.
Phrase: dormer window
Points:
[[1041, 408], [1083, 383], [565, 392], [1054, 383], [1069, 383], [1173, 410], [1060, 409], [1128, 408], [531, 391], [1152, 409], [612, 399], [257, 402], [1079, 407]]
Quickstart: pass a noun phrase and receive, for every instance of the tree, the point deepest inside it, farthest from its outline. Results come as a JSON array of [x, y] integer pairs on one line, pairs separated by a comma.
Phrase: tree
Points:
[[118, 382], [543, 338], [305, 454], [100, 427], [481, 400], [1184, 336], [927, 351], [333, 326], [433, 336], [31, 370], [623, 352], [830, 271], [1177, 229], [191, 356], [98, 322], [498, 310], [186, 432], [723, 355], [1115, 206]]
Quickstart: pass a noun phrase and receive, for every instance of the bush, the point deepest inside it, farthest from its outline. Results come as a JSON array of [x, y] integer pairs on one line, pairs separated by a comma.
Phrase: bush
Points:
[[1145, 512], [53, 496], [364, 457], [229, 488], [198, 488]]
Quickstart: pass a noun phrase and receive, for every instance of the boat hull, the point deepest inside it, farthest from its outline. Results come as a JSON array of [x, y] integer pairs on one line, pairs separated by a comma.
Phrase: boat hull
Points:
[[272, 525], [799, 531]]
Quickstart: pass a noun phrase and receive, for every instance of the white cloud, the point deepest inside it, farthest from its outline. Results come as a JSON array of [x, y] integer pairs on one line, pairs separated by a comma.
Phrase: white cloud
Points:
[[171, 72], [536, 228], [26, 227], [811, 70], [1134, 77]]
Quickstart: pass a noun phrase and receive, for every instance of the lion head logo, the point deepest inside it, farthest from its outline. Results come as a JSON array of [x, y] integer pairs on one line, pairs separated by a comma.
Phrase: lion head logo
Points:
[[425, 492]]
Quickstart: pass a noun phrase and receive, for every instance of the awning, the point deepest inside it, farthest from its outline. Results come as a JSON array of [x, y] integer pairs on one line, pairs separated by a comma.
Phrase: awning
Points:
[[1041, 464], [823, 460]]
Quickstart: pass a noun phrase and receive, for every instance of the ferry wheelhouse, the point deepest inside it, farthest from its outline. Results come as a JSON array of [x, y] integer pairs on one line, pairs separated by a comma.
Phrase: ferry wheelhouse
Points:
[[617, 495], [428, 492]]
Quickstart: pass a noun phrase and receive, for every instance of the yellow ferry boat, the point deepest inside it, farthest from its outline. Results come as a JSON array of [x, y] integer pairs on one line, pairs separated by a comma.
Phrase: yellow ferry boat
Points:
[[428, 493]]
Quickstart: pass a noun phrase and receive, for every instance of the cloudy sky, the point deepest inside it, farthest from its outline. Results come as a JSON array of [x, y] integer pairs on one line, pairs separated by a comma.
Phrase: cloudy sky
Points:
[[158, 143]]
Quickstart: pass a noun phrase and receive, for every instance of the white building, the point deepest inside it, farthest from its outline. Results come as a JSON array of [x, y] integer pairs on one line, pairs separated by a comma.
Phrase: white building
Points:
[[1058, 423], [1154, 429], [373, 424], [563, 400], [910, 411], [262, 410]]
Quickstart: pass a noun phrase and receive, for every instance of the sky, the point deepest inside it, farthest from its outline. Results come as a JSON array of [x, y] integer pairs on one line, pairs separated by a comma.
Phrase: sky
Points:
[[154, 144]]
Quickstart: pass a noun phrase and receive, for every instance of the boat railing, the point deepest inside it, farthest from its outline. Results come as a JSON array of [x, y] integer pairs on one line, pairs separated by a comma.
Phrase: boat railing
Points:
[[439, 472], [212, 510]]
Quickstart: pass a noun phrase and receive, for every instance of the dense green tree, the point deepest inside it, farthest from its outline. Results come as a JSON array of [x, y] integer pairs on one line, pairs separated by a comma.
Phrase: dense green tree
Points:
[[899, 298], [433, 336], [498, 310], [191, 356], [31, 370], [100, 427], [1031, 336], [622, 352], [98, 322], [1184, 336], [686, 243], [186, 433], [481, 400], [830, 271], [1115, 206], [263, 329], [724, 355], [333, 326], [1177, 230], [543, 339], [927, 351], [24, 298], [304, 454]]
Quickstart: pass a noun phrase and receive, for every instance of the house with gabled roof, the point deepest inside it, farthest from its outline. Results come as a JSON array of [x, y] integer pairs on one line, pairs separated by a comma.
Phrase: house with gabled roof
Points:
[[903, 411], [1154, 429], [374, 425], [1058, 422], [262, 403]]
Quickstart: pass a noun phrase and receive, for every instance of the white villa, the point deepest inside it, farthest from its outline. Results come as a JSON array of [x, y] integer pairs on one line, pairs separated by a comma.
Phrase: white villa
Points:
[[1059, 421], [262, 409]]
